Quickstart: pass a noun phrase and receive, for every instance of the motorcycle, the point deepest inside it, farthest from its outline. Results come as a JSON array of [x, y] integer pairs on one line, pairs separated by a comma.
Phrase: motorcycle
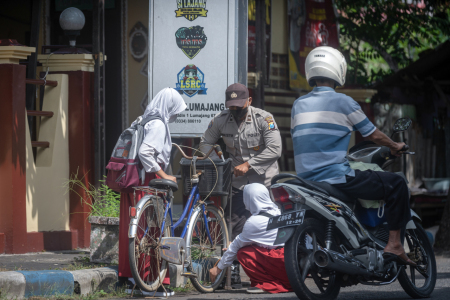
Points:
[[332, 241]]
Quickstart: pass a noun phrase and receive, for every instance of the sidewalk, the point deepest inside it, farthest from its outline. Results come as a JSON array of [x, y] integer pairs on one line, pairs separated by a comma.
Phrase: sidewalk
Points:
[[53, 273], [64, 273]]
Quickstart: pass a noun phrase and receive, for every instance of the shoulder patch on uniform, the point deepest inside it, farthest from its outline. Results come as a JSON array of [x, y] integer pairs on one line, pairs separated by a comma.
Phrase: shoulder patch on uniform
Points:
[[211, 124], [271, 125]]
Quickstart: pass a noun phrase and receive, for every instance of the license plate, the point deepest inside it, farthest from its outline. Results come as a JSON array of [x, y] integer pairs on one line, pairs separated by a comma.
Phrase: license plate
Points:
[[287, 219]]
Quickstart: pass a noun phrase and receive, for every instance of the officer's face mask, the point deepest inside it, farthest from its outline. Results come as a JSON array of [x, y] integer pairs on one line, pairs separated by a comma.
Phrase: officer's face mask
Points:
[[239, 113], [173, 118]]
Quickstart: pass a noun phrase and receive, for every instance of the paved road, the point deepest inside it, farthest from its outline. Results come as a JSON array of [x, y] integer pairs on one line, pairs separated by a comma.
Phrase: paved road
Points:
[[359, 292]]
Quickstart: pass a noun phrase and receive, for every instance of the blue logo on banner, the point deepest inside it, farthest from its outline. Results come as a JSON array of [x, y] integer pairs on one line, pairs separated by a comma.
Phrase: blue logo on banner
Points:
[[191, 81]]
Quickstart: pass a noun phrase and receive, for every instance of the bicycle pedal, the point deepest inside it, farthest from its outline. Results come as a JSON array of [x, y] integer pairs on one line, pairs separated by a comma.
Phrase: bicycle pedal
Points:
[[189, 274]]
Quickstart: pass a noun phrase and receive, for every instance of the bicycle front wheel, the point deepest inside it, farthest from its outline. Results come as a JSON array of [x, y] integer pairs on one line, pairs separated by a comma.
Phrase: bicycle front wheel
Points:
[[147, 266], [207, 236]]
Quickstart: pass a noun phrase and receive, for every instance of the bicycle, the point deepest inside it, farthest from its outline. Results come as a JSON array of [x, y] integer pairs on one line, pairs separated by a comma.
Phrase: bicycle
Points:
[[200, 245]]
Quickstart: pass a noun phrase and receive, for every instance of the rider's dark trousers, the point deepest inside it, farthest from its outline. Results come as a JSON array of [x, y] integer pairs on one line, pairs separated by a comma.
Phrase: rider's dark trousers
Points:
[[373, 185], [239, 214]]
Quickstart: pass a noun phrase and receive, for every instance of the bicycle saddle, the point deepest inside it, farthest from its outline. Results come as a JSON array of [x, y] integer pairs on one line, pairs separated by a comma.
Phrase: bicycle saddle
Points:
[[164, 184]]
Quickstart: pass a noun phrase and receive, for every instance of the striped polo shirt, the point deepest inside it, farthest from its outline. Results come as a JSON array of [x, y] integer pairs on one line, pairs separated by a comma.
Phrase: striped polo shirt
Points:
[[321, 126]]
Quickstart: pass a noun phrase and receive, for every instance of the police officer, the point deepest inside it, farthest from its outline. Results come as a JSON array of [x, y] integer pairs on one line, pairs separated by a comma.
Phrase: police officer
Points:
[[252, 140]]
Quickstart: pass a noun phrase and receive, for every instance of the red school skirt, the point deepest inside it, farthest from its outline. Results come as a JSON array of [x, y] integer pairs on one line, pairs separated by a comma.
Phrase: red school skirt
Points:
[[126, 200], [265, 268]]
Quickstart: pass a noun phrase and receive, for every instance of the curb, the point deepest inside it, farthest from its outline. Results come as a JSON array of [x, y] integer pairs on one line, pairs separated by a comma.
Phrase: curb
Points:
[[24, 284]]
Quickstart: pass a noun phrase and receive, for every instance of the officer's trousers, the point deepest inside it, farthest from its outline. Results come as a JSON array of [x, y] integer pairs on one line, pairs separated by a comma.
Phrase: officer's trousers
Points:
[[387, 186], [238, 213]]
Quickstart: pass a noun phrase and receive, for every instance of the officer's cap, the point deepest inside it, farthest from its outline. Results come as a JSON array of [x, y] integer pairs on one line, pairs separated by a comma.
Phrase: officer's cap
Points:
[[236, 95]]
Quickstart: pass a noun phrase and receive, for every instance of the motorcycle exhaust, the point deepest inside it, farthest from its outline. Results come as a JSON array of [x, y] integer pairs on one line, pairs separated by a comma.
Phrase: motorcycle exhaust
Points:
[[337, 262]]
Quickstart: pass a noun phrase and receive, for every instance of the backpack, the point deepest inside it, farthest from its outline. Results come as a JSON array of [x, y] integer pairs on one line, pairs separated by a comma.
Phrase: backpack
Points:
[[124, 168]]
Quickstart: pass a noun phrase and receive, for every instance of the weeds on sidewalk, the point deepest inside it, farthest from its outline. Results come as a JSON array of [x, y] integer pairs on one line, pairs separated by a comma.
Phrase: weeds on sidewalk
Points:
[[82, 263], [186, 289], [103, 201]]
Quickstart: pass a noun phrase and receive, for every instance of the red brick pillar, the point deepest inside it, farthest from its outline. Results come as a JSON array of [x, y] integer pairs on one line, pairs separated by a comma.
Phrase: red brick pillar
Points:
[[13, 221], [80, 68]]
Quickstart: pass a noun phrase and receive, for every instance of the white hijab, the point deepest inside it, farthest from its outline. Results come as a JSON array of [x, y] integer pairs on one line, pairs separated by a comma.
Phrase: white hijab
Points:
[[165, 105], [256, 200]]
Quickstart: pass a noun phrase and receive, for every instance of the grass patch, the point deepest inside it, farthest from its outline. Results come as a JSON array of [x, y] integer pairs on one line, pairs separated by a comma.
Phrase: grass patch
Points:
[[103, 201], [186, 289]]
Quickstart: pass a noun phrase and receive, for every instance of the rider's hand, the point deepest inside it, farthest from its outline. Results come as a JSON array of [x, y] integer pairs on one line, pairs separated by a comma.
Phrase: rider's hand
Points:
[[397, 147], [241, 170], [213, 273]]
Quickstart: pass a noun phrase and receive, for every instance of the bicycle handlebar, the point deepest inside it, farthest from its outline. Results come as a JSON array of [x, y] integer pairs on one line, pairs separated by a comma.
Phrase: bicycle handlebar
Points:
[[216, 147]]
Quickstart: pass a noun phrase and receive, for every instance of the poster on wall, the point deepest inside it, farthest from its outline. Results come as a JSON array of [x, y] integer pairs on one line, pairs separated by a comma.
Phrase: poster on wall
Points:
[[312, 23], [192, 49]]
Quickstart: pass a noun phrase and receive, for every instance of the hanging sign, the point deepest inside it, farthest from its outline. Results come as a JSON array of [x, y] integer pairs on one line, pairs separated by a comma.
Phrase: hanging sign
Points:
[[194, 52], [312, 23]]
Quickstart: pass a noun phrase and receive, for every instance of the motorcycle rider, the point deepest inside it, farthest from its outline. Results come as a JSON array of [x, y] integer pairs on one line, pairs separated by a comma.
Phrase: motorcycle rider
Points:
[[321, 125]]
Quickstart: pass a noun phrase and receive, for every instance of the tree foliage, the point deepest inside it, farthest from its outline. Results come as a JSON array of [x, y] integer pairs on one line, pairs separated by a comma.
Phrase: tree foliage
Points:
[[378, 37]]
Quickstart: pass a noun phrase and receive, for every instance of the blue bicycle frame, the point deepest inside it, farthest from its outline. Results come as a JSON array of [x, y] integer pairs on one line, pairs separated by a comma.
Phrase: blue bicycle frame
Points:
[[193, 196]]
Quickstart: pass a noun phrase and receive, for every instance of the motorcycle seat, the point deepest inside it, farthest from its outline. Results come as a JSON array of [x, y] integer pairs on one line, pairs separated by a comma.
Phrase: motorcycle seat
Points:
[[334, 192], [329, 188]]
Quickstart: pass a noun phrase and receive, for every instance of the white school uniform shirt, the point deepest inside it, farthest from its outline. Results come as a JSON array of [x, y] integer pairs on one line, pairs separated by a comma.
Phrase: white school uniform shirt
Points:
[[256, 200]]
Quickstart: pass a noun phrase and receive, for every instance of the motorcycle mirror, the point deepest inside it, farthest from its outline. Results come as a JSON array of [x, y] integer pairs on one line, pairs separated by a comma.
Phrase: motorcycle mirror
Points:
[[402, 124]]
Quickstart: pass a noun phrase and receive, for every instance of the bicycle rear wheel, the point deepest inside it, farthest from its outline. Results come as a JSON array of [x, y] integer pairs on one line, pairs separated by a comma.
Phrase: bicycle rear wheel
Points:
[[147, 266], [206, 249]]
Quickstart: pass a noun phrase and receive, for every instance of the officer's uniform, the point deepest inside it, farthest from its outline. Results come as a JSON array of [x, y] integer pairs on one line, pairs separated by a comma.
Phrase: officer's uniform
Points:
[[257, 141]]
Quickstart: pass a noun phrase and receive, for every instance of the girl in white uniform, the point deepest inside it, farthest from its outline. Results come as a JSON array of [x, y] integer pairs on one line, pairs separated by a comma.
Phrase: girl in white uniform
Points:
[[154, 154], [262, 261]]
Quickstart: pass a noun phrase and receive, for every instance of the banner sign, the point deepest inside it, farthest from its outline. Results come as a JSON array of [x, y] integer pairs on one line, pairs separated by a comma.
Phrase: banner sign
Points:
[[312, 23], [192, 49]]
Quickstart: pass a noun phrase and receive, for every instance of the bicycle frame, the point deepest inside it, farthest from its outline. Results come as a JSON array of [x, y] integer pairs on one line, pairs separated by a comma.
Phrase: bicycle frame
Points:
[[193, 198]]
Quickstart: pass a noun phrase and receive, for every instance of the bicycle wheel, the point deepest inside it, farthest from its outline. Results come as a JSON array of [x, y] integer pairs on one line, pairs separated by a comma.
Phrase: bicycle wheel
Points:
[[206, 250], [147, 266]]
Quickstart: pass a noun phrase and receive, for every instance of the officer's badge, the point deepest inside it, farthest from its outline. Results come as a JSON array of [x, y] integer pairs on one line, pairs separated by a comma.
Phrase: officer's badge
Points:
[[271, 125], [256, 148], [249, 118], [211, 124]]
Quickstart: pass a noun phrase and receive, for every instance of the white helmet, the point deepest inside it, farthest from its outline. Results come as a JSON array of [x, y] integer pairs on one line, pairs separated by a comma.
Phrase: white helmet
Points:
[[325, 62]]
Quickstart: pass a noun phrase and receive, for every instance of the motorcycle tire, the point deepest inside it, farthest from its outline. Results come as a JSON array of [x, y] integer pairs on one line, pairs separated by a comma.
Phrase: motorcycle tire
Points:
[[292, 262], [408, 283]]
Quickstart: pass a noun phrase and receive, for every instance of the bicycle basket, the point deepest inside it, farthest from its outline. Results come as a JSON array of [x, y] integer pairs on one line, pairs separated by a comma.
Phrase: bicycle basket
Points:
[[208, 178]]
